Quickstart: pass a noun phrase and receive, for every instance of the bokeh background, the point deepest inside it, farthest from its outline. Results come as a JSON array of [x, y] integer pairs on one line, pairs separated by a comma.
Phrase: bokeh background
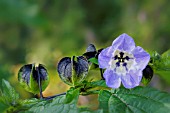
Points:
[[44, 31]]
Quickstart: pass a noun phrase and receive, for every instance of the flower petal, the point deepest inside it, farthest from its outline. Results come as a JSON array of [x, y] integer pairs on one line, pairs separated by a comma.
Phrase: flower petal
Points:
[[132, 79], [141, 57], [112, 79], [104, 57], [124, 42]]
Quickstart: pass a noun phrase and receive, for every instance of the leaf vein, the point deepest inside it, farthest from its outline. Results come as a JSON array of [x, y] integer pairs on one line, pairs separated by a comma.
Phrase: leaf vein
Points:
[[123, 102]]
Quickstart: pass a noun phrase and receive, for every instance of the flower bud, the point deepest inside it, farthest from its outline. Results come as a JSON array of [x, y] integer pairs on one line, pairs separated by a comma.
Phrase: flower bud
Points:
[[29, 76], [91, 48], [73, 70], [91, 55], [90, 51], [147, 75]]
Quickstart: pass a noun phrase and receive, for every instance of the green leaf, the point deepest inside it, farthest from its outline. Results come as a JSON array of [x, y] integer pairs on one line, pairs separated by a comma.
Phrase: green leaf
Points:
[[100, 83], [28, 103], [9, 97], [164, 75], [155, 59], [103, 98], [94, 60], [72, 96], [163, 66], [87, 87], [86, 110], [166, 54], [137, 100], [3, 106], [160, 62], [62, 104], [9, 91], [166, 60]]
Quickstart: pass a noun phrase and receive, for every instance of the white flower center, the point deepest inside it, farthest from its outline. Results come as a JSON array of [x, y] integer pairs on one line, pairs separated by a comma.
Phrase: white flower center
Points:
[[121, 62]]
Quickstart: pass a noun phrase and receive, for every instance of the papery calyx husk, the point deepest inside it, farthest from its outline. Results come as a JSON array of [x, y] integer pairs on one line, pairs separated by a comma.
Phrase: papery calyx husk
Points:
[[73, 70], [28, 77]]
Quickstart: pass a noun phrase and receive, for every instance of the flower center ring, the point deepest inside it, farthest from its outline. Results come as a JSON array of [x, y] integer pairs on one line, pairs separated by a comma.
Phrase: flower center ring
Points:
[[121, 62]]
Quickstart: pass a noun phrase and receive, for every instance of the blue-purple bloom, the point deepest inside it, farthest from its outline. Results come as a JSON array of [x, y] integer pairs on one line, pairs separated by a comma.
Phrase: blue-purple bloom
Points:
[[124, 62]]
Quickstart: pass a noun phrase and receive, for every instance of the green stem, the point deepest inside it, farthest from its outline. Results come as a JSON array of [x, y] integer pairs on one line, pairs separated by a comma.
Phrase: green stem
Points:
[[73, 71], [90, 92], [101, 73], [51, 97]]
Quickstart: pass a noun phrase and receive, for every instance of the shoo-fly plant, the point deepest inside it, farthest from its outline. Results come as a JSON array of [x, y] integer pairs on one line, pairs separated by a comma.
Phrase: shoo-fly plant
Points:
[[125, 71]]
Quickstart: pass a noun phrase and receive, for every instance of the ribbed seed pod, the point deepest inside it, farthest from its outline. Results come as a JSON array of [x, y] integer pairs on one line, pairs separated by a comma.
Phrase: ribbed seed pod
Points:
[[29, 76], [73, 70]]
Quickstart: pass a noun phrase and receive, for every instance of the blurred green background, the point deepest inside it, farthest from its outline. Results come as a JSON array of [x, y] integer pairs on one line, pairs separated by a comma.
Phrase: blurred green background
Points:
[[44, 31]]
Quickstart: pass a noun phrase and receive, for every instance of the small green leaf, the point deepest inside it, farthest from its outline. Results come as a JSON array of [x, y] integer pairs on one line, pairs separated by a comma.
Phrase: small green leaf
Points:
[[28, 103], [9, 98], [72, 96], [155, 59], [94, 60], [166, 60], [87, 87], [100, 83], [9, 93], [163, 66], [166, 54], [137, 100], [160, 62], [3, 106]]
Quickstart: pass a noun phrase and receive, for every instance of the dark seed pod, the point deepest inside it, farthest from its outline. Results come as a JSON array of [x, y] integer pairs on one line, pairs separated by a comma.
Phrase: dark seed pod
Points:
[[90, 51], [91, 48], [73, 71], [92, 56], [147, 75], [29, 76]]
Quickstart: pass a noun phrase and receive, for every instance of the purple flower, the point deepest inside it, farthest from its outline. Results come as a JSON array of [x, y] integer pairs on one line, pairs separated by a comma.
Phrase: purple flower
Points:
[[124, 62]]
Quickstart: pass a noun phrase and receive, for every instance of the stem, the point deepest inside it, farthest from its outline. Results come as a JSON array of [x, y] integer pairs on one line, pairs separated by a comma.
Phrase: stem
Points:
[[40, 88], [73, 71], [90, 92], [39, 84], [101, 72], [51, 97]]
